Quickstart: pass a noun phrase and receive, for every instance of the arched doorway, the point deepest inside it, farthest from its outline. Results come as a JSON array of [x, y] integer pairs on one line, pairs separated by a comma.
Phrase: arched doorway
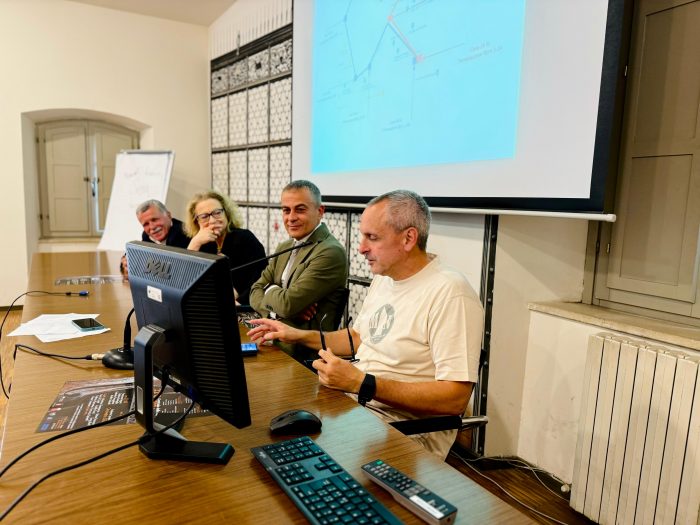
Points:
[[76, 171]]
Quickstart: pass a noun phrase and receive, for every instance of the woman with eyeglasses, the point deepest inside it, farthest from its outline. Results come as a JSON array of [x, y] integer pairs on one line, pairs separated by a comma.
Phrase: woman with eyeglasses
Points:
[[214, 224]]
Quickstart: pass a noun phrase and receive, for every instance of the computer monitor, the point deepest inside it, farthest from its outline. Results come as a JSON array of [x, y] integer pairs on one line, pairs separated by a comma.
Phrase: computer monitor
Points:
[[188, 333]]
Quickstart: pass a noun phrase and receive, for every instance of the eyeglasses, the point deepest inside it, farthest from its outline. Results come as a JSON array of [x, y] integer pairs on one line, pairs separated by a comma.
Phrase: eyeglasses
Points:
[[320, 332], [204, 217], [352, 357]]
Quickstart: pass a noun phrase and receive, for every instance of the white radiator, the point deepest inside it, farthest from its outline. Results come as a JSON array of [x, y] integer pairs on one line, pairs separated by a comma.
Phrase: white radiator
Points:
[[638, 446]]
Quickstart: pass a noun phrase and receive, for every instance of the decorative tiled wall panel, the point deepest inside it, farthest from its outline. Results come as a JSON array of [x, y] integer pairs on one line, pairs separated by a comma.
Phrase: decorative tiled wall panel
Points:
[[238, 176], [219, 81], [358, 292], [281, 57], [237, 74], [247, 120], [259, 66], [358, 265], [244, 216], [258, 224], [277, 232], [258, 115], [238, 118], [219, 122], [281, 109], [219, 172], [257, 175], [338, 225], [280, 171]]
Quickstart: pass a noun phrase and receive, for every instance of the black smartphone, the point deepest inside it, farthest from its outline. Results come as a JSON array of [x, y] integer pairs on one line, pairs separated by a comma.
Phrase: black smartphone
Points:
[[87, 324], [249, 348]]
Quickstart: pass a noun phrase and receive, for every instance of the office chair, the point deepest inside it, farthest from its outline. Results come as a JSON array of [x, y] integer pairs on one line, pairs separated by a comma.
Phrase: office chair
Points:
[[437, 423], [341, 311]]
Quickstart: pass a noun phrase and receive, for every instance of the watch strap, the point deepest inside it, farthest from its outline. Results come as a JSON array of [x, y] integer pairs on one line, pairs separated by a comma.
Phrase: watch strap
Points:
[[368, 389]]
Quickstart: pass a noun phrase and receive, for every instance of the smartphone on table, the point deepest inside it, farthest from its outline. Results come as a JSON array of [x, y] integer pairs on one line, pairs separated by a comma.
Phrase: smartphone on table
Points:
[[88, 324], [249, 348]]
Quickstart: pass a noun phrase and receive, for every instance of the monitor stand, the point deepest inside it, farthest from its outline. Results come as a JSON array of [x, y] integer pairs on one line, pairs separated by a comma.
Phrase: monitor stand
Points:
[[168, 444]]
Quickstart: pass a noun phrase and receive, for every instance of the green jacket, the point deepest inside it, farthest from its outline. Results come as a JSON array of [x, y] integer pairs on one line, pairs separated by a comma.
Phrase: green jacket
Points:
[[319, 275]]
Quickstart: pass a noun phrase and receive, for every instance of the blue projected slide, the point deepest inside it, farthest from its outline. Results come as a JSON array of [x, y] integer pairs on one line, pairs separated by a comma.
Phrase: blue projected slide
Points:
[[414, 82]]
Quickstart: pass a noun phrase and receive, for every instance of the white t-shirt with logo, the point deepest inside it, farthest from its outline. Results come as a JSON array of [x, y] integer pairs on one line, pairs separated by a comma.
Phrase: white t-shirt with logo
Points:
[[424, 328]]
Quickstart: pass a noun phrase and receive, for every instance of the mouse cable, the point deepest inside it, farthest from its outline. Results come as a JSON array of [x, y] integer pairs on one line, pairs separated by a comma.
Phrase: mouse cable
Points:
[[139, 441], [31, 293], [88, 357], [74, 431]]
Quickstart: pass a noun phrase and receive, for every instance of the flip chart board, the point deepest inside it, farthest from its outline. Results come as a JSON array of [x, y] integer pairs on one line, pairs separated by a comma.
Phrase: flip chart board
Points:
[[139, 175]]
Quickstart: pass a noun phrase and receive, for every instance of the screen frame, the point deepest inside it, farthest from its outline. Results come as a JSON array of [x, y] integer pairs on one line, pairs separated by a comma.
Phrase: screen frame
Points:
[[605, 149]]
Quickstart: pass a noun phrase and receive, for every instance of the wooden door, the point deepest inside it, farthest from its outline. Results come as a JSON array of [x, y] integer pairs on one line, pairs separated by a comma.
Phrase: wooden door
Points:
[[105, 142], [66, 195], [654, 246], [76, 162]]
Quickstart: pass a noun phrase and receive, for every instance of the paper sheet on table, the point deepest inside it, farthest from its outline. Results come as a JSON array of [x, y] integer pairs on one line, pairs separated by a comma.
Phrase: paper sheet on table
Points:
[[55, 327]]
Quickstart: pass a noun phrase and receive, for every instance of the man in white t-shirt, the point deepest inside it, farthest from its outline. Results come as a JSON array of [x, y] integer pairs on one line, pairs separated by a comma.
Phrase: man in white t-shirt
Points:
[[418, 333]]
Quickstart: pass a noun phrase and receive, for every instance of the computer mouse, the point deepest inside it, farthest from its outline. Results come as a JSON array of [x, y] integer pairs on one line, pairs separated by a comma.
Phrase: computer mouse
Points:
[[295, 422]]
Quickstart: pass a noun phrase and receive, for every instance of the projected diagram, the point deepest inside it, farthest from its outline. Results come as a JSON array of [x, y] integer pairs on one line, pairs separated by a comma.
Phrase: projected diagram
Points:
[[414, 82]]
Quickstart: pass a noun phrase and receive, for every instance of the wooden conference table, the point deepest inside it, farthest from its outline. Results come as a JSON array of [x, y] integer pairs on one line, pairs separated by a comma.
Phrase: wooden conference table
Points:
[[126, 487]]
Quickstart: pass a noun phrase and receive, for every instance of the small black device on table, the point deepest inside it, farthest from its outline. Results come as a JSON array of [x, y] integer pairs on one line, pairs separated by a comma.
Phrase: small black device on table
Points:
[[320, 488], [87, 324]]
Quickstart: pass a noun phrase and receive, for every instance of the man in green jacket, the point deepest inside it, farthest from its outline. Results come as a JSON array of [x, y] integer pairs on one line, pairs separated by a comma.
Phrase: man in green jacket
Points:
[[303, 286]]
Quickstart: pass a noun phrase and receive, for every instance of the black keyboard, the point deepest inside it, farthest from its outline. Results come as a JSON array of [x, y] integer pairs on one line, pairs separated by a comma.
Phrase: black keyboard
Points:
[[318, 486]]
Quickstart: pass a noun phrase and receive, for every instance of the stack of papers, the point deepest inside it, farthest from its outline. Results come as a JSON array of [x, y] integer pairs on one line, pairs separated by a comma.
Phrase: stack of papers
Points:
[[56, 327]]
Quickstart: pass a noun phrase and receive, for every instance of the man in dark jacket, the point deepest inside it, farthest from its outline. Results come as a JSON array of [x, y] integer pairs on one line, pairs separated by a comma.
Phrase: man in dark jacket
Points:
[[158, 227]]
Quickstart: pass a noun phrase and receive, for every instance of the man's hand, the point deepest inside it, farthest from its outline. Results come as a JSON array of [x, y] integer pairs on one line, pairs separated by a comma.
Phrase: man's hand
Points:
[[337, 373], [268, 329], [307, 313]]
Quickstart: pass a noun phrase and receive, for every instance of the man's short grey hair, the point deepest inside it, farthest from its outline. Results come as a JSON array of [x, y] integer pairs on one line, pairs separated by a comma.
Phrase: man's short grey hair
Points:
[[405, 209], [143, 207], [301, 184]]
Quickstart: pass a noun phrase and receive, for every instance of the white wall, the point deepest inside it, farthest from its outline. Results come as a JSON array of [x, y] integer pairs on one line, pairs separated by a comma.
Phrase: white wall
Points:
[[74, 57], [245, 21], [556, 358], [537, 259], [458, 239]]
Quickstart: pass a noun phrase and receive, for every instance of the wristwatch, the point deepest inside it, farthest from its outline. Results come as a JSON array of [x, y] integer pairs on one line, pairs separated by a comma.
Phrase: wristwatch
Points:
[[367, 389]]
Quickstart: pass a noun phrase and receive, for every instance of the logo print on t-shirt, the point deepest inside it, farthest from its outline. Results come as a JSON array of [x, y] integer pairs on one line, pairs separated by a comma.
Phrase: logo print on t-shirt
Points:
[[381, 322]]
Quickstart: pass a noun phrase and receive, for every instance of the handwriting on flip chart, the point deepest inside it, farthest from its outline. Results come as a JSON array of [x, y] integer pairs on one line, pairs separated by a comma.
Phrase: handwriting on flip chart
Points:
[[139, 175]]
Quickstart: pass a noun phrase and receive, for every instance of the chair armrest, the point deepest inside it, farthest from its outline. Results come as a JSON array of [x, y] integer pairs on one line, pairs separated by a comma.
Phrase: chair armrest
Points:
[[437, 423]]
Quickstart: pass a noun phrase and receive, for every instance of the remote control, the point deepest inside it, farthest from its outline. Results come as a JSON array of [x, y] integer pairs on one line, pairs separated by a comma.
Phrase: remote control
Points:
[[423, 503]]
